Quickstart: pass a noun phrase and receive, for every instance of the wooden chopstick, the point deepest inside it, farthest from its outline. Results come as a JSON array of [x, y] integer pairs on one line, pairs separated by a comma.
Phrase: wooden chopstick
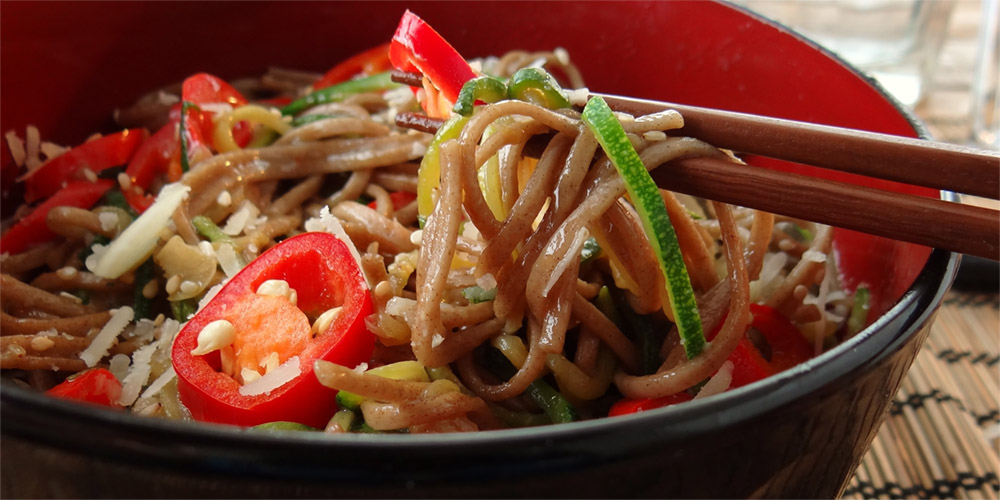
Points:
[[902, 159], [936, 223], [927, 221]]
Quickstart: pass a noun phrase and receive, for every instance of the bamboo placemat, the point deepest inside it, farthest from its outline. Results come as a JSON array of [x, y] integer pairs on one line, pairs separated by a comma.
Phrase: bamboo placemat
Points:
[[942, 436]]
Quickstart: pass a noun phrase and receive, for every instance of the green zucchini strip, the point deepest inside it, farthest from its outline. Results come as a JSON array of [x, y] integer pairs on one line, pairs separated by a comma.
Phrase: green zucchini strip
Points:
[[652, 212]]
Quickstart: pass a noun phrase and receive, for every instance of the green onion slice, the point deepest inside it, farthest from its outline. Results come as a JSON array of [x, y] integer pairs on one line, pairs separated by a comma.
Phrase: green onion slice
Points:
[[334, 93], [429, 175], [484, 88], [537, 86]]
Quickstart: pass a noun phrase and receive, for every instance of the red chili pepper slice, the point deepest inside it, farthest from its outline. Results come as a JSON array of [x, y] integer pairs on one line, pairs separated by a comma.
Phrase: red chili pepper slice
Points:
[[366, 63], [627, 406], [277, 102], [399, 199], [203, 88], [97, 385], [748, 364], [155, 156], [33, 228], [320, 268], [417, 47], [97, 155], [196, 134], [788, 348]]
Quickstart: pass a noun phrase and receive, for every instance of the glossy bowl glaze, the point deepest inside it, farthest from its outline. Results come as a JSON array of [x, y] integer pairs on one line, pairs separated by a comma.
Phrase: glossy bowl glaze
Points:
[[799, 434]]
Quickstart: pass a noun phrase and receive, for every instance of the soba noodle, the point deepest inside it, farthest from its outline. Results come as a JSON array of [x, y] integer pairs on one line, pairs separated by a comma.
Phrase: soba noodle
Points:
[[519, 241]]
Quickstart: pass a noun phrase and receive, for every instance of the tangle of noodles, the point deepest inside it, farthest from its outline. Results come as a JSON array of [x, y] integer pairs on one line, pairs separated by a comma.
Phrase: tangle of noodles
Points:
[[493, 297]]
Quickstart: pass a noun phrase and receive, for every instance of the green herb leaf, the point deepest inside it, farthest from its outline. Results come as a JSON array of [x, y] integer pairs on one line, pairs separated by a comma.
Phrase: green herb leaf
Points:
[[475, 294], [183, 309], [591, 250], [859, 312], [340, 91]]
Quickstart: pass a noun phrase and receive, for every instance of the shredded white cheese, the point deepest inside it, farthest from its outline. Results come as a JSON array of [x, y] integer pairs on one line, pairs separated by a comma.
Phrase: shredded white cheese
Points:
[[662, 120], [206, 248], [159, 383], [437, 339], [718, 383], [139, 238], [572, 254], [97, 252], [814, 256], [328, 223], [654, 135], [210, 294], [52, 150], [137, 375], [577, 97], [108, 220], [400, 307], [241, 219], [487, 282], [228, 260], [418, 149], [33, 144], [103, 341], [16, 146], [143, 331], [224, 199], [142, 366], [218, 108], [118, 364], [273, 380]]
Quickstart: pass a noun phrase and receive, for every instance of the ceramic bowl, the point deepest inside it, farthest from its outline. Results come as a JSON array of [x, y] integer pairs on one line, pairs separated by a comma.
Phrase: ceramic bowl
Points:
[[799, 434]]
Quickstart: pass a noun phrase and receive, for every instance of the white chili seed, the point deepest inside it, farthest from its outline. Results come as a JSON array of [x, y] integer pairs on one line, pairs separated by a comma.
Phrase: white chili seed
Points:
[[278, 288], [325, 320], [214, 336]]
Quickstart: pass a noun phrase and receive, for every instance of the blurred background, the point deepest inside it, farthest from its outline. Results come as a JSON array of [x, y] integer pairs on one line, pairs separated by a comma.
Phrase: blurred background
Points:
[[940, 59]]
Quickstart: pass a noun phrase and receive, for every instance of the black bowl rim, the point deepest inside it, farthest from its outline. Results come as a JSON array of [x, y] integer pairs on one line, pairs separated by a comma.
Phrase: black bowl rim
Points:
[[913, 310]]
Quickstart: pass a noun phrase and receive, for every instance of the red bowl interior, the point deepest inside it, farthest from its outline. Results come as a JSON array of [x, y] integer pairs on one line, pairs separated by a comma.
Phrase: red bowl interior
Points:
[[67, 65]]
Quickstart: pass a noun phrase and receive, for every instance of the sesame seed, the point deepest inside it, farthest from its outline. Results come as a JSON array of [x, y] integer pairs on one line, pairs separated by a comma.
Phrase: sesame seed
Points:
[[42, 343], [89, 175], [173, 284], [416, 237], [383, 289], [188, 286], [149, 291]]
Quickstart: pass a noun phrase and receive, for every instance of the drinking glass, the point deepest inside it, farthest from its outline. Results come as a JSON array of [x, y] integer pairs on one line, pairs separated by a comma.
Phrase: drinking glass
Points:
[[895, 41]]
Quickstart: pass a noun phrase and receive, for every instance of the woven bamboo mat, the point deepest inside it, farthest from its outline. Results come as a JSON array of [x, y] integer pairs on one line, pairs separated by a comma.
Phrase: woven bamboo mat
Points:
[[942, 436]]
